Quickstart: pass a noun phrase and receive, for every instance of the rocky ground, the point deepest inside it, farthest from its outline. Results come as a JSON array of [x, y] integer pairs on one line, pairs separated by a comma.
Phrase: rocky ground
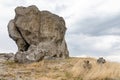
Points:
[[59, 69]]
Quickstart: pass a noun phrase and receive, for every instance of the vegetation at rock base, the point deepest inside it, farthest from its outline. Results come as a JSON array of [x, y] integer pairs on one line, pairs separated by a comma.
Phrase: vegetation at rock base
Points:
[[63, 69]]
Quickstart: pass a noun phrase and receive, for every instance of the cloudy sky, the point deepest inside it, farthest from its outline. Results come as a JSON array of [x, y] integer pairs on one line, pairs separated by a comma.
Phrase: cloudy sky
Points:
[[93, 26]]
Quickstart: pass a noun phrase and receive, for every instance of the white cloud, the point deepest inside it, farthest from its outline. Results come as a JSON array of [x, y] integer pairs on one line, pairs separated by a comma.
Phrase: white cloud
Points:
[[113, 58], [93, 45], [109, 7]]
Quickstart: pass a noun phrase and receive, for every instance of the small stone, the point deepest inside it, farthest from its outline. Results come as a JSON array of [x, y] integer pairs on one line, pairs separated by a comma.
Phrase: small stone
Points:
[[101, 60]]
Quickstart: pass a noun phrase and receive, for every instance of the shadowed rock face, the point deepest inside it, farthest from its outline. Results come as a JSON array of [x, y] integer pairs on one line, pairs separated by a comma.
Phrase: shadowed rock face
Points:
[[37, 34]]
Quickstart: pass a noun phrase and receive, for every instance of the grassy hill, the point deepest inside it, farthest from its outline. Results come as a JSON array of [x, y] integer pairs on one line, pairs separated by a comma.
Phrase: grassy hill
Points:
[[66, 69]]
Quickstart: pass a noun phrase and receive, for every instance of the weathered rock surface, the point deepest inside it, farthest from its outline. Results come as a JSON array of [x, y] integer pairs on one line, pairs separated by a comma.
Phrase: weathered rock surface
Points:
[[101, 60], [6, 57], [37, 34]]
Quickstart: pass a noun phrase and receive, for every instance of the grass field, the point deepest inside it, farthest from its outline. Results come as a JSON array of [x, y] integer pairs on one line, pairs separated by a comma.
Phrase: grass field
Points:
[[64, 69]]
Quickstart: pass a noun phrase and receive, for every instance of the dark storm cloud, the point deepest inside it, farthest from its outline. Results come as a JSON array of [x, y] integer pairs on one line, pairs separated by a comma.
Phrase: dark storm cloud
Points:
[[97, 26]]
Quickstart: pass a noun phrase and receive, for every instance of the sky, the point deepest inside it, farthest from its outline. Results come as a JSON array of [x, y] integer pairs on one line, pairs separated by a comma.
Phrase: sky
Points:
[[93, 26]]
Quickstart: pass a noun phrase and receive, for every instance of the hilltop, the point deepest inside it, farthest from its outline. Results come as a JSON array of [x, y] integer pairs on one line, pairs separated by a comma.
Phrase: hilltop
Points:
[[60, 69]]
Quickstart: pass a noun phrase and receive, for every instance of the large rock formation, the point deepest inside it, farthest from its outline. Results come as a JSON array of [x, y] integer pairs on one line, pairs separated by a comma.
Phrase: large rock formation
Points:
[[37, 34]]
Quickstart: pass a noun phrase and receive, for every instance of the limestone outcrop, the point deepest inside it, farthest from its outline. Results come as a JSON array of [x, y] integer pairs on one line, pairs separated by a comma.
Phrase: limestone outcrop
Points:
[[6, 57], [37, 34]]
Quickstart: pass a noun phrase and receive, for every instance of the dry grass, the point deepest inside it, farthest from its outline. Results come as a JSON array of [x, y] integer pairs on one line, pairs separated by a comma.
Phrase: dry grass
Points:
[[67, 69], [107, 71]]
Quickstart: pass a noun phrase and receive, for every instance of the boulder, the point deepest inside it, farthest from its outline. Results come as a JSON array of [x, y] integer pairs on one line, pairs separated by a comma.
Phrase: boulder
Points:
[[37, 34], [6, 57], [101, 60]]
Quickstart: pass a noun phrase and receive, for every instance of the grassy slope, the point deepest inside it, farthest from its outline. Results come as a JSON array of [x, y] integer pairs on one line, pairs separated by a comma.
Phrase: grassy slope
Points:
[[67, 69]]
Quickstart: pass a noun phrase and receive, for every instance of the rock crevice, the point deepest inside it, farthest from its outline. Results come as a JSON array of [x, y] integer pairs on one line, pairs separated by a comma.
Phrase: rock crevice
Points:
[[26, 43]]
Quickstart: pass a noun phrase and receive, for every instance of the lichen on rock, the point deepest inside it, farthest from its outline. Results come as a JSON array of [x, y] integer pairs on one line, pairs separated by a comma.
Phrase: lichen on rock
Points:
[[37, 34]]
